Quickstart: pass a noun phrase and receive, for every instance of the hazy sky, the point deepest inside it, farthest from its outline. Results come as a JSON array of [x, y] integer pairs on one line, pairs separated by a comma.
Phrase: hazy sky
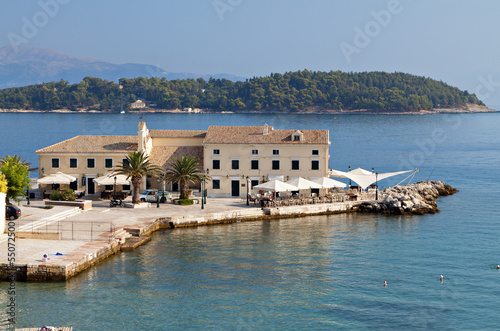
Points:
[[455, 41]]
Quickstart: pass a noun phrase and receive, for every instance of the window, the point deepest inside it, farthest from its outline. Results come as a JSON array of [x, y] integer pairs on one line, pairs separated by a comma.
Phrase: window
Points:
[[276, 165], [216, 184], [55, 162], [254, 164], [276, 152], [108, 187], [216, 164], [125, 187], [73, 163], [125, 162], [253, 183], [255, 152], [90, 163], [315, 164], [216, 151], [235, 164], [295, 164], [315, 152], [108, 163]]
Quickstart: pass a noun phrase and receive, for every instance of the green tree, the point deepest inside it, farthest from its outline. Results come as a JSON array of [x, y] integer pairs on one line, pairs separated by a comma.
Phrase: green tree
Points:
[[136, 167], [3, 184], [17, 175], [184, 171]]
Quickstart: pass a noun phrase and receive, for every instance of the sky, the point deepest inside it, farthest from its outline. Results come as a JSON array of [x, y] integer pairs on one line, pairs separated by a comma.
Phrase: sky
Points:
[[455, 41]]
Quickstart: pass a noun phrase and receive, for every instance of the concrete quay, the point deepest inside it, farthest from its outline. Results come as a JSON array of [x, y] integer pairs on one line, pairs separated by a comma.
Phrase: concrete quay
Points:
[[83, 239]]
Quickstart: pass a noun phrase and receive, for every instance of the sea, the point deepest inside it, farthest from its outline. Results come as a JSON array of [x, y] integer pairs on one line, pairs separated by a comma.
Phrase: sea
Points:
[[316, 273]]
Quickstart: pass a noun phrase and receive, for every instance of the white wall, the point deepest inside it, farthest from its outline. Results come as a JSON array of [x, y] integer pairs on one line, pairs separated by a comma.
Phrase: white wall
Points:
[[2, 212]]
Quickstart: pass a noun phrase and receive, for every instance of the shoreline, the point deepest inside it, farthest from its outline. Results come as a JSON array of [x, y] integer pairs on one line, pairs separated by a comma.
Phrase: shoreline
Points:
[[416, 199], [471, 109]]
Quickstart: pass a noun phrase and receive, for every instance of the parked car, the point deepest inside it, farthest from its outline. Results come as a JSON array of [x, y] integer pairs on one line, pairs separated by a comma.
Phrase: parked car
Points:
[[12, 212], [148, 196]]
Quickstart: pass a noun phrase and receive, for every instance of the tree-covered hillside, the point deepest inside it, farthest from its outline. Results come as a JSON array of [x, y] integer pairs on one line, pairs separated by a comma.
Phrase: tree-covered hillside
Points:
[[292, 91]]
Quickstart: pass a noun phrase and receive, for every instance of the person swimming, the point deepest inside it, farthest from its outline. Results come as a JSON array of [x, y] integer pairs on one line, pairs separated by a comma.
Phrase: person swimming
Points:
[[385, 283], [441, 278]]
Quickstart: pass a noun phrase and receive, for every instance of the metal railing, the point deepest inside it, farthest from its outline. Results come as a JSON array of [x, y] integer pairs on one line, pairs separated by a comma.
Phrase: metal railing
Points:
[[70, 230]]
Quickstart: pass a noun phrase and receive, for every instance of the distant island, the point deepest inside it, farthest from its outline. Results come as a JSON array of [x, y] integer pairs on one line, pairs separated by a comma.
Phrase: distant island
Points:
[[295, 92]]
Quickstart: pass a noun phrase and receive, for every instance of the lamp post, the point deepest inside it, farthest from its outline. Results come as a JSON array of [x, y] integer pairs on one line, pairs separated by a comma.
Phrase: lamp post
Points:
[[158, 192], [248, 191], [376, 186], [114, 190], [349, 178], [205, 190], [203, 193]]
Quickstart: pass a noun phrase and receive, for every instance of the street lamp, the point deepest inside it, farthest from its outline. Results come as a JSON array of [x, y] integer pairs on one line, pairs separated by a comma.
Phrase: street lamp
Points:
[[158, 192], [114, 190], [205, 191], [349, 178], [376, 186], [248, 191]]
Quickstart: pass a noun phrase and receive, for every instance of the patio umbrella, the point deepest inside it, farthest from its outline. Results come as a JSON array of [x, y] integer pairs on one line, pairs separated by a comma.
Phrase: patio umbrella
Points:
[[57, 178], [110, 180], [326, 182], [303, 184], [275, 186]]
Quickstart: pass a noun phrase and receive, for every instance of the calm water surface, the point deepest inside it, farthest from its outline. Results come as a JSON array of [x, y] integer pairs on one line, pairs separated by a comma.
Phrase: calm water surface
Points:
[[317, 272]]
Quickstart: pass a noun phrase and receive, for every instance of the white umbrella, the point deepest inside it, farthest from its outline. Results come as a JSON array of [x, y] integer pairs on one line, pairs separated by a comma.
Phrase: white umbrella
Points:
[[303, 184], [326, 182], [275, 186], [57, 178], [110, 180]]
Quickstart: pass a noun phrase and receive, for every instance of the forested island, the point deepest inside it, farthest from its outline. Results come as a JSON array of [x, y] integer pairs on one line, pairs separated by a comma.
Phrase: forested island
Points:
[[300, 91]]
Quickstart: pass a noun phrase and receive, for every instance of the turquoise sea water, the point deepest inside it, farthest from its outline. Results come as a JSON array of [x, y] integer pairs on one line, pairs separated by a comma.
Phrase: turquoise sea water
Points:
[[317, 272]]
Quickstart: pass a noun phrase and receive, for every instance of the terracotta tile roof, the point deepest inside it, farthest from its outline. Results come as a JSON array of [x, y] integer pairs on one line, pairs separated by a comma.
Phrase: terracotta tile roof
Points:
[[254, 135], [162, 155], [177, 133], [93, 144]]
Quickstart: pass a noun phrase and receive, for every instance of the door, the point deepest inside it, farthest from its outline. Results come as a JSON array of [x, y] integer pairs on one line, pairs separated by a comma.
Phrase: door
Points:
[[90, 186], [235, 188]]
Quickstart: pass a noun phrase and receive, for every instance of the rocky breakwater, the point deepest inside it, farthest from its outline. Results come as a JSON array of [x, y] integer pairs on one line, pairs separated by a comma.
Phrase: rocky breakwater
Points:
[[417, 199]]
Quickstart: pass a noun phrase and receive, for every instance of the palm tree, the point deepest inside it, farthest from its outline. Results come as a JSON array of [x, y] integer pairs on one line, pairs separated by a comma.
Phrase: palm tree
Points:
[[184, 171], [136, 166], [17, 159]]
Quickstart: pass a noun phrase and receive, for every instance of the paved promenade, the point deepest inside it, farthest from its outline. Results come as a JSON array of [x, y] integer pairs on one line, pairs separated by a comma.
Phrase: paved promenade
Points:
[[86, 237], [36, 218]]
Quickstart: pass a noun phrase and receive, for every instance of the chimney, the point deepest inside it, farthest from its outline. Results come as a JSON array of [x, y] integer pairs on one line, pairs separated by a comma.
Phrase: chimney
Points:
[[266, 128]]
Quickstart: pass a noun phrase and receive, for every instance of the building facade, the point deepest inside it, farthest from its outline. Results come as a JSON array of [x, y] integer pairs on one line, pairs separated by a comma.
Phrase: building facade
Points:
[[235, 157]]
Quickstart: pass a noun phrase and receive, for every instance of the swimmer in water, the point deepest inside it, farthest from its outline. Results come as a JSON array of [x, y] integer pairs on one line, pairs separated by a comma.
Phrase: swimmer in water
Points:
[[385, 283], [498, 266], [441, 278]]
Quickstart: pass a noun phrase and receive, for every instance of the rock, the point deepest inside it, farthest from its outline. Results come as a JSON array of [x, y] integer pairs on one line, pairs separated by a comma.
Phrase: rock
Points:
[[415, 199]]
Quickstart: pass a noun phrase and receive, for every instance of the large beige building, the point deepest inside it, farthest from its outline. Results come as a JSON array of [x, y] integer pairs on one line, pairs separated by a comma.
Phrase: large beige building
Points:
[[233, 156]]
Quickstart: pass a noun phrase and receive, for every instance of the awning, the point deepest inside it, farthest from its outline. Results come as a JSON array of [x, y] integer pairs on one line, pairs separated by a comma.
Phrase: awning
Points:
[[365, 178], [110, 180], [57, 178]]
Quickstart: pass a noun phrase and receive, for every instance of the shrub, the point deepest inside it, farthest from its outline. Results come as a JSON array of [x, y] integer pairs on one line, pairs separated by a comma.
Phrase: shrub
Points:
[[67, 195], [184, 202]]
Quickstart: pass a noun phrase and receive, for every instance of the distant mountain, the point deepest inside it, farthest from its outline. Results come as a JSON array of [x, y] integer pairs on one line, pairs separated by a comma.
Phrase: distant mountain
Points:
[[30, 65]]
